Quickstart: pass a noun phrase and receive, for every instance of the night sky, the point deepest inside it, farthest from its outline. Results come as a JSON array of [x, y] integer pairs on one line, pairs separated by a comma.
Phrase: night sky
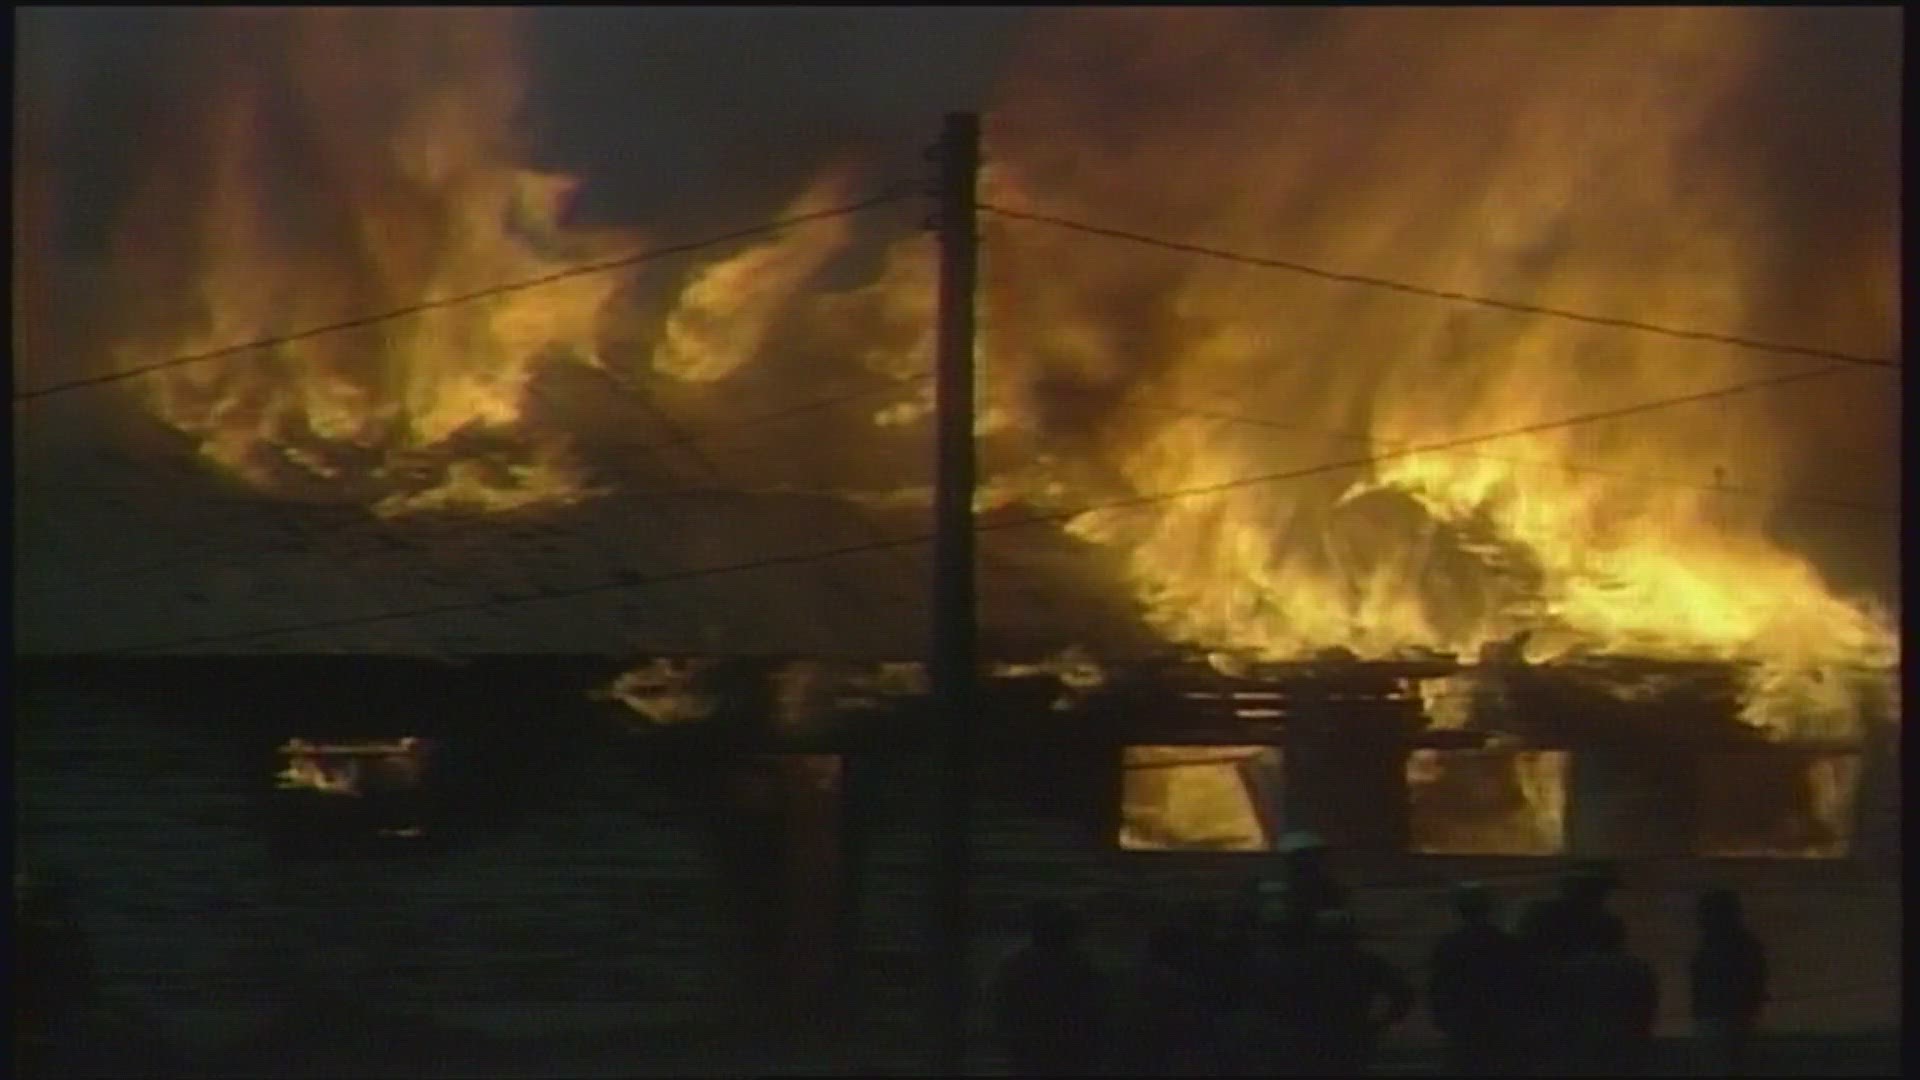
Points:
[[652, 106], [684, 121]]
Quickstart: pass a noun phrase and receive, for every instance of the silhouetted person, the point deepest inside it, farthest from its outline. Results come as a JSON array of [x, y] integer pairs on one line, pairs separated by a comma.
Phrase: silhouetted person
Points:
[[1232, 952], [1615, 998], [1729, 983], [1050, 1001], [1307, 887], [1175, 1018], [1288, 911], [1477, 979], [1343, 998], [1217, 964], [1543, 1026], [1576, 919], [54, 983], [1237, 970]]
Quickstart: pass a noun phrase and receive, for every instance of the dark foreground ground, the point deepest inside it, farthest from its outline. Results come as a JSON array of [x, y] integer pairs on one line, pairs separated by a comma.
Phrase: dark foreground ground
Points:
[[413, 1051], [1781, 1056]]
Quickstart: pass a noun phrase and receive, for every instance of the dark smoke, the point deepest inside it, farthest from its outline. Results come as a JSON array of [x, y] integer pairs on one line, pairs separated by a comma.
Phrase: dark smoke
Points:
[[681, 121]]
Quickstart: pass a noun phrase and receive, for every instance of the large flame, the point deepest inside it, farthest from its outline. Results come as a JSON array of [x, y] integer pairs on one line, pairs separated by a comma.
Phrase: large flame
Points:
[[319, 166], [332, 164], [325, 164], [1569, 159]]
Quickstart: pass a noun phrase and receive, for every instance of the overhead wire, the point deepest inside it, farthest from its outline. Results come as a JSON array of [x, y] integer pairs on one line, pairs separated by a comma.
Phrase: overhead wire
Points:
[[1143, 499], [201, 554], [581, 270], [712, 468], [602, 266], [1182, 408], [1371, 281], [1597, 416]]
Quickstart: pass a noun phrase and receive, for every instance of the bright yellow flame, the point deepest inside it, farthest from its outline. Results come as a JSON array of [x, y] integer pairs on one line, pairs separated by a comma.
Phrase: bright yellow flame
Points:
[[1189, 797], [332, 164], [1572, 159], [726, 312], [1575, 159], [1488, 803], [322, 166]]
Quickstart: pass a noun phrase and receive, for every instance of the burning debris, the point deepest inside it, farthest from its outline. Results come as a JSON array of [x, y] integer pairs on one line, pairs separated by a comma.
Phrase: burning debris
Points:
[[353, 769], [1480, 802], [1623, 581], [1607, 756], [665, 693], [340, 796]]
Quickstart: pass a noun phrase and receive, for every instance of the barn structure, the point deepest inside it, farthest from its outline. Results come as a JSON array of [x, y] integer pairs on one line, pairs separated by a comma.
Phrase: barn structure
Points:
[[536, 808]]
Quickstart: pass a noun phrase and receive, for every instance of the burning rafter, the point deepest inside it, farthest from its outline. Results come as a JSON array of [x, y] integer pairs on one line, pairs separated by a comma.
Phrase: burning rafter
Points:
[[355, 769]]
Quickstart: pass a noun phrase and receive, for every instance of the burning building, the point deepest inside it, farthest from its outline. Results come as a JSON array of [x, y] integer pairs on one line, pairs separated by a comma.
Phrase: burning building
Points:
[[1108, 371], [1533, 643]]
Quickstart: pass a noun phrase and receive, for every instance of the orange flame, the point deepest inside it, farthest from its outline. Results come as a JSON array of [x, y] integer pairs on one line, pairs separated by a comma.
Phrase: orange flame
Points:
[[1566, 159], [400, 124], [327, 165], [352, 768]]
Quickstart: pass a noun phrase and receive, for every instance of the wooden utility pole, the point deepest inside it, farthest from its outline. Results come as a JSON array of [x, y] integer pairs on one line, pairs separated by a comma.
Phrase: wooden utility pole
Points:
[[952, 664]]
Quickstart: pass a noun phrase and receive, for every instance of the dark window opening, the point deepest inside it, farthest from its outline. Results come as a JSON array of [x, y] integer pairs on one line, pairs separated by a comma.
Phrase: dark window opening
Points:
[[352, 793]]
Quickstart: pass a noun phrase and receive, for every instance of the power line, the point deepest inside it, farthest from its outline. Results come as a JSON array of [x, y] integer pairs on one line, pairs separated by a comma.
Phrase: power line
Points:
[[1655, 481], [1448, 444], [200, 554], [873, 531], [1447, 294], [679, 439], [464, 298], [797, 558], [465, 607]]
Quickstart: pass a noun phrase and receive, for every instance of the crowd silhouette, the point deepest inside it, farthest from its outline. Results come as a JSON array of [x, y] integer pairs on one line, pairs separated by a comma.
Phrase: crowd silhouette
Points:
[[1280, 981], [1283, 983]]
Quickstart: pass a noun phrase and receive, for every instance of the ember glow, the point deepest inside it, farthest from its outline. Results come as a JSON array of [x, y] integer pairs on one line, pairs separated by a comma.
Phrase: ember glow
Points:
[[353, 769], [1579, 160], [316, 166], [1376, 152], [1471, 802], [1562, 158]]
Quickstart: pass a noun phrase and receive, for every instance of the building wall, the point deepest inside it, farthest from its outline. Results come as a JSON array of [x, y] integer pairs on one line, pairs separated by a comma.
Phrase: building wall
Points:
[[600, 910], [1833, 925], [604, 900]]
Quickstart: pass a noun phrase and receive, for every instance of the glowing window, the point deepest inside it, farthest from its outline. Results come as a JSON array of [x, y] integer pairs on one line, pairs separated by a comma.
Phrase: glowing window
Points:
[[352, 769], [1201, 798], [1487, 802], [1777, 804], [339, 791]]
